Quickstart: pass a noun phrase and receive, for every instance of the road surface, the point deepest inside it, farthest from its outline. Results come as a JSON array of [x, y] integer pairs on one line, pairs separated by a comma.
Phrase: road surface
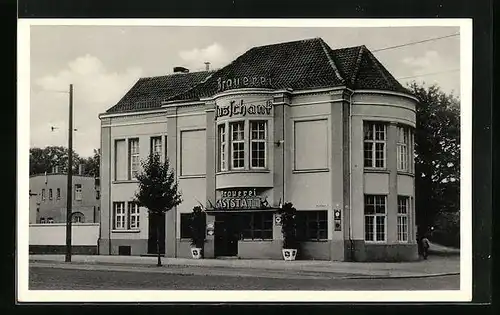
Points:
[[53, 278]]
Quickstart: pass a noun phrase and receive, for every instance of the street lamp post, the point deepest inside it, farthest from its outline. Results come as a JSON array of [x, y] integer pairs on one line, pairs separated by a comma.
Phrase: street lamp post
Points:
[[69, 198]]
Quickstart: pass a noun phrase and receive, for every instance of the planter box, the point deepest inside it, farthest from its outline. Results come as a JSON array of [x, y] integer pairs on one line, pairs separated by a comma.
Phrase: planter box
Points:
[[196, 252], [289, 254]]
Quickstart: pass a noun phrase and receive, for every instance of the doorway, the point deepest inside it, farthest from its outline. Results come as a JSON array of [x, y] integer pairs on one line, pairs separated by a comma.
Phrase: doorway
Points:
[[155, 221], [227, 235]]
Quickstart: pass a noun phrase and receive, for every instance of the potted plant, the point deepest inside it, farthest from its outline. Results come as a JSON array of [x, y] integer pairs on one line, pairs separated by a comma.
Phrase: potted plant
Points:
[[197, 226], [288, 229]]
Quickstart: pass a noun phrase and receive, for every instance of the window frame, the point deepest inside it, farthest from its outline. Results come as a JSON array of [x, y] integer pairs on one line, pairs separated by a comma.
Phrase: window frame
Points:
[[241, 141], [403, 149], [43, 194], [122, 214], [305, 218], [133, 214], [78, 192], [50, 194], [375, 215], [58, 193], [371, 126], [252, 123], [403, 219], [251, 229], [222, 146], [156, 141], [133, 165]]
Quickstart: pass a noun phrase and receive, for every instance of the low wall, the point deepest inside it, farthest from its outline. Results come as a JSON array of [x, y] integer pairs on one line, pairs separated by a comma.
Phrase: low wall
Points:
[[51, 238]]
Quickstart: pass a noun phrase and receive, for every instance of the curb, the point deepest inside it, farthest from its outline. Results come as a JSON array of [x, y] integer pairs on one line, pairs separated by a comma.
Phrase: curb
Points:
[[295, 273]]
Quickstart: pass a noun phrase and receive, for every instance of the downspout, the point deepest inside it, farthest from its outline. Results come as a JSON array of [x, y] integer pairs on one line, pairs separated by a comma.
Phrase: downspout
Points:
[[351, 247]]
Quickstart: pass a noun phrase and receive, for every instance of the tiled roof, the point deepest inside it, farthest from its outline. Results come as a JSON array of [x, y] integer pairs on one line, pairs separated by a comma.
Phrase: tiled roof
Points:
[[148, 93], [299, 65]]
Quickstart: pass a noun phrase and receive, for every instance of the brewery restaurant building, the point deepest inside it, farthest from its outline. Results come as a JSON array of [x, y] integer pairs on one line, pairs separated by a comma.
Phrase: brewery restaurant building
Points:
[[329, 130]]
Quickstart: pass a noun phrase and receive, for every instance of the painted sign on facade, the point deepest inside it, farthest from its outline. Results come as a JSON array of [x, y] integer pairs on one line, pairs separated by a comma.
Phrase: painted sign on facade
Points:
[[242, 82], [243, 109], [239, 199]]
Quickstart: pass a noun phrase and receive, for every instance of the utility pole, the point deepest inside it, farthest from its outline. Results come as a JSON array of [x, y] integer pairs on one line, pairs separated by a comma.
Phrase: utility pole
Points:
[[69, 198]]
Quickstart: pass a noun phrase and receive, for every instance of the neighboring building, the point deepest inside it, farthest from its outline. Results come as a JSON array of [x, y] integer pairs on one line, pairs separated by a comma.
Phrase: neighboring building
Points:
[[49, 204], [329, 130]]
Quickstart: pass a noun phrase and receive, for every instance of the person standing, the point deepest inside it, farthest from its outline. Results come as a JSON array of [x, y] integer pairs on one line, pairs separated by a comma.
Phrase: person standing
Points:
[[425, 247]]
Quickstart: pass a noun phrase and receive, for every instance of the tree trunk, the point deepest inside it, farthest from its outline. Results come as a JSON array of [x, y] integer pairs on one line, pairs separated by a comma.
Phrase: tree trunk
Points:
[[158, 264]]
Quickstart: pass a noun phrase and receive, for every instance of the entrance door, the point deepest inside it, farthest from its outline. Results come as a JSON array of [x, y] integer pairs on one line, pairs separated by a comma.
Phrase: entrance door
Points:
[[227, 235], [153, 231]]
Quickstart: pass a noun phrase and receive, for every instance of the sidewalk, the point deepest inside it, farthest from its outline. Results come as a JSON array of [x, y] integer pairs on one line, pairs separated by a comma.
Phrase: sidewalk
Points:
[[434, 266]]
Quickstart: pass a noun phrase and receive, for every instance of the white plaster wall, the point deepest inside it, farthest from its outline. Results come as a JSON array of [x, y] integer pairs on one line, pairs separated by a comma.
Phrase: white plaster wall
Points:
[[192, 189], [375, 183], [55, 234], [406, 185], [310, 191]]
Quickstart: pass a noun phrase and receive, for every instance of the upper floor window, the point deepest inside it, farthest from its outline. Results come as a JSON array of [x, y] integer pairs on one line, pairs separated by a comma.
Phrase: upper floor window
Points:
[[78, 192], [50, 193], [403, 149], [238, 144], [375, 218], [58, 193], [258, 144], [156, 145], [374, 144], [42, 220], [97, 194], [43, 193], [50, 220], [133, 153], [222, 147]]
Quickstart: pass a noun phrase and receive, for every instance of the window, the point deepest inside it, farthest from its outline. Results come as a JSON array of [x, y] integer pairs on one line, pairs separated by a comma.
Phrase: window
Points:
[[238, 145], [403, 209], [97, 194], [78, 217], [185, 227], [43, 194], [50, 220], [402, 145], [375, 217], [58, 193], [156, 145], [222, 147], [257, 225], [78, 192], [258, 144], [50, 193], [133, 214], [121, 160], [119, 215], [312, 225], [374, 144], [133, 152], [42, 220]]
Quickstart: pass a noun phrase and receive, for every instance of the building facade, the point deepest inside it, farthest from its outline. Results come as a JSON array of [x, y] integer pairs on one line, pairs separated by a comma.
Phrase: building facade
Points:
[[329, 130], [48, 199]]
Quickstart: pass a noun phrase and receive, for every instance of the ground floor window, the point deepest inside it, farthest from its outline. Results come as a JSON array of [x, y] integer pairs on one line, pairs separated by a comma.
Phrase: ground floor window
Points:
[[403, 209], [375, 218], [312, 225], [257, 225], [126, 218]]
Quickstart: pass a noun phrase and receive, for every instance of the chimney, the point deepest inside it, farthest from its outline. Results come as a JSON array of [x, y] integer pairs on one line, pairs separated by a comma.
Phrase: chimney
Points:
[[207, 65], [181, 70], [80, 169]]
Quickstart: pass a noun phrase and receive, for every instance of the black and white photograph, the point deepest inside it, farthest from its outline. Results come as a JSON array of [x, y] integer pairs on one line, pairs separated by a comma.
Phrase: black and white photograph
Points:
[[272, 160]]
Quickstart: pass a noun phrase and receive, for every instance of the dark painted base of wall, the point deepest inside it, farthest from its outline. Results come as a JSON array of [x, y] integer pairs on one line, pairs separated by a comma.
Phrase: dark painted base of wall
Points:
[[61, 249], [137, 247], [362, 251]]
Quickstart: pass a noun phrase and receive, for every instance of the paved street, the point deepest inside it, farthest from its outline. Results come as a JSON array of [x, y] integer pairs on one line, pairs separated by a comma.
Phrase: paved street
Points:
[[113, 278]]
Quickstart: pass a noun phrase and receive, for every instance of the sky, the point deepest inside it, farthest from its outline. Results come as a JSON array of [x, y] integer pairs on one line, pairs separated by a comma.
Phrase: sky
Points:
[[103, 62]]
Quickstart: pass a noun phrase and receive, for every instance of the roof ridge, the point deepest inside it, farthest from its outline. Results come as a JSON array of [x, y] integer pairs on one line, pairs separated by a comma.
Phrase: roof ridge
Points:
[[378, 66], [330, 60], [310, 39], [358, 64]]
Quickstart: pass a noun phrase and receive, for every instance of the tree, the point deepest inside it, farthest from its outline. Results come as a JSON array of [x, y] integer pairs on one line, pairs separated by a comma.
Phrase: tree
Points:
[[44, 159], [91, 164], [158, 191], [437, 154]]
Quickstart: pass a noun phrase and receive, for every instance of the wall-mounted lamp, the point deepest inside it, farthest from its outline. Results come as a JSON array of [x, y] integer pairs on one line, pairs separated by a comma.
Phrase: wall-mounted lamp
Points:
[[279, 142]]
